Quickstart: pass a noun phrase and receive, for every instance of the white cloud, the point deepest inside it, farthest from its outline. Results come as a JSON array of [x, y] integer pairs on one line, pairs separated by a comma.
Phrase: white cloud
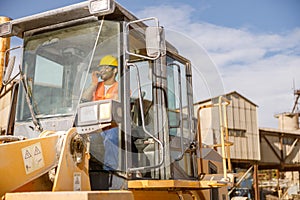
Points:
[[261, 66], [168, 15]]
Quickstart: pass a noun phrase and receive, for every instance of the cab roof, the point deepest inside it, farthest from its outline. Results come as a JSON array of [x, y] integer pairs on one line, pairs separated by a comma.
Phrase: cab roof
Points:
[[69, 13]]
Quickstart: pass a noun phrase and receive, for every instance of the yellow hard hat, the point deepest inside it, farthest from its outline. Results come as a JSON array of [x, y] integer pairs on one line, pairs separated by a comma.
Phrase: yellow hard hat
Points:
[[109, 60]]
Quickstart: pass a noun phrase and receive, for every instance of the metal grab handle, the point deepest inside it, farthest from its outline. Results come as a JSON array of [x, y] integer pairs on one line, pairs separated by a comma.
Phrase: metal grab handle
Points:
[[144, 127]]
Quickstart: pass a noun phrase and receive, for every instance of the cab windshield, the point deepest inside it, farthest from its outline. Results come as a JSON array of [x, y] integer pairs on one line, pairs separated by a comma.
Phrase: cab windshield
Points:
[[56, 65]]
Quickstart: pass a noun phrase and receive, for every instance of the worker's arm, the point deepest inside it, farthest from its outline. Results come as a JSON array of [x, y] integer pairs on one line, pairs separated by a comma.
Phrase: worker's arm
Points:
[[89, 92]]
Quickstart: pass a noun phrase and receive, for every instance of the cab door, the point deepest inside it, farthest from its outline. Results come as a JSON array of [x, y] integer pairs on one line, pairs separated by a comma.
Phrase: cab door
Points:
[[180, 117]]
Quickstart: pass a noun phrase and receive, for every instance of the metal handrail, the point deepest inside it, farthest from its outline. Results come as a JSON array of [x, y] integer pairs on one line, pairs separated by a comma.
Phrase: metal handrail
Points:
[[224, 128], [144, 127], [223, 102], [199, 139]]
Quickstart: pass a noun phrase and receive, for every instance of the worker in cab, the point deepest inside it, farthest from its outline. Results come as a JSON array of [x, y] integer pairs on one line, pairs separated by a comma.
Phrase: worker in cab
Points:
[[103, 145], [107, 70]]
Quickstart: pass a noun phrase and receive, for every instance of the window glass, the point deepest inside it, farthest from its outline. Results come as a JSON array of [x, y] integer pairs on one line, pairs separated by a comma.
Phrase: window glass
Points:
[[53, 70], [177, 95], [178, 112], [56, 64], [142, 144]]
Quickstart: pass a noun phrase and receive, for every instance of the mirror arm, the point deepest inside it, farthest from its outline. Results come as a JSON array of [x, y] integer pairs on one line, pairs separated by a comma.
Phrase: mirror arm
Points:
[[127, 33], [8, 69]]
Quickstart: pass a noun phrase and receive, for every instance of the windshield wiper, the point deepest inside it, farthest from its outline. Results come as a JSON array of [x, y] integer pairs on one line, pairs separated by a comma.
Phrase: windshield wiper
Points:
[[35, 121]]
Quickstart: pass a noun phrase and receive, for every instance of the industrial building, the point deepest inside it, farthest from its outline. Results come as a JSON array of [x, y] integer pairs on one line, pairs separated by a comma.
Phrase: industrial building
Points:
[[242, 126], [263, 157]]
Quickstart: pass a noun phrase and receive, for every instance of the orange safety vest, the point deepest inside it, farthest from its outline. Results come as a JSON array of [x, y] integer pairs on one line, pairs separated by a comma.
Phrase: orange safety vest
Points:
[[112, 92]]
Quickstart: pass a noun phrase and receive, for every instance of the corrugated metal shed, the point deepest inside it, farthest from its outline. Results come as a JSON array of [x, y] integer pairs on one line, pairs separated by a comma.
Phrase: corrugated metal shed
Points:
[[242, 126]]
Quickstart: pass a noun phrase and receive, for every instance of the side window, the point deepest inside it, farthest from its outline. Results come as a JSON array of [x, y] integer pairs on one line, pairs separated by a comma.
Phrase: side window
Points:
[[142, 147], [48, 73], [48, 83], [145, 73], [179, 113], [177, 97]]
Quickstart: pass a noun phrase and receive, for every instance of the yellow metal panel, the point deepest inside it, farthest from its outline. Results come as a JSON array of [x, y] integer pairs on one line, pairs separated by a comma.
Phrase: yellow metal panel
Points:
[[174, 184], [91, 195], [24, 161], [163, 184], [175, 194], [42, 183], [71, 176], [157, 195]]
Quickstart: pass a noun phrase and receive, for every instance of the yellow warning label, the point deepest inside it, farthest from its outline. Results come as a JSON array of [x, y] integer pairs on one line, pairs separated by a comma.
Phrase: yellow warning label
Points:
[[33, 157]]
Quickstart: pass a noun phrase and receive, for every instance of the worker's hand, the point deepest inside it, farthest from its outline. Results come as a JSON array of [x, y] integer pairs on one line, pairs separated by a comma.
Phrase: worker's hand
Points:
[[95, 75]]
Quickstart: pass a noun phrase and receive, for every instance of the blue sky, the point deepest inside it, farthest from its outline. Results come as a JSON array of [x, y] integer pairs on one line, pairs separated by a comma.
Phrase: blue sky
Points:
[[254, 44], [259, 15]]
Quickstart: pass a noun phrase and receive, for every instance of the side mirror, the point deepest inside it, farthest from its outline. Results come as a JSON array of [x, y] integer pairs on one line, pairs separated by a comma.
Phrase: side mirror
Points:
[[151, 38], [155, 41], [10, 66], [9, 69]]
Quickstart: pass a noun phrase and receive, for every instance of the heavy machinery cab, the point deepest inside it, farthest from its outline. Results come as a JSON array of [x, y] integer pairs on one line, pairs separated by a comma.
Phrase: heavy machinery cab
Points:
[[153, 112]]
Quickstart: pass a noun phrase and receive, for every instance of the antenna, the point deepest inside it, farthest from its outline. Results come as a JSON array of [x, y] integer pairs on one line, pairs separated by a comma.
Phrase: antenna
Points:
[[297, 96]]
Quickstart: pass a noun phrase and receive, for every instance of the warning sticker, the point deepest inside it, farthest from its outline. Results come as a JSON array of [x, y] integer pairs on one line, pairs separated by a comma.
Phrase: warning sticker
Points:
[[77, 181], [33, 157]]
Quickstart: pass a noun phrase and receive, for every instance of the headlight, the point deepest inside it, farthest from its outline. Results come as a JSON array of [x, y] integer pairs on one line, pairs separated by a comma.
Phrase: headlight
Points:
[[105, 112], [99, 112], [101, 7], [88, 114], [5, 29]]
